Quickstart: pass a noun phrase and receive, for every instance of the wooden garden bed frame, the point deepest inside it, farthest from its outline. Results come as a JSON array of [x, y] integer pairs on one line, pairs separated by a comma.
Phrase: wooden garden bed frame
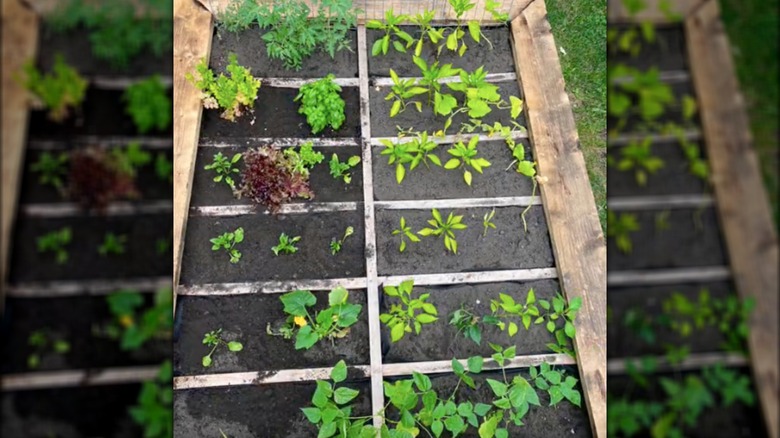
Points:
[[741, 199]]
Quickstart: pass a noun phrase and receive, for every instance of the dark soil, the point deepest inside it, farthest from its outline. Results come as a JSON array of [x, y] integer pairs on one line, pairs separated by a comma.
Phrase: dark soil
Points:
[[140, 259], [436, 182], [276, 115], [384, 126], [271, 411], [71, 412], [326, 188], [245, 318], [666, 53], [498, 60], [693, 239], [441, 341], [261, 232], [251, 51], [506, 247]]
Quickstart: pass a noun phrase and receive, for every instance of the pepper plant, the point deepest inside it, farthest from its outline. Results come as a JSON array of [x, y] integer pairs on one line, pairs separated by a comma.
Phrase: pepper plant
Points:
[[391, 28], [444, 228], [454, 40], [431, 80], [224, 168], [424, 146], [478, 92], [228, 241], [487, 221], [56, 242], [401, 92], [406, 233], [322, 104], [400, 153], [403, 317], [465, 156], [423, 21], [233, 94], [214, 339]]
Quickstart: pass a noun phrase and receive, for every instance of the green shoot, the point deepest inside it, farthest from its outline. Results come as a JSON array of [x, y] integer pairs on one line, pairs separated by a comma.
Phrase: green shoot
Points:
[[400, 154], [331, 412], [342, 170], [336, 244], [466, 156], [228, 241], [224, 168], [286, 245], [59, 92], [52, 169], [390, 27], [404, 316], [487, 221], [112, 244], [424, 146], [214, 339], [154, 410], [423, 21], [467, 324], [44, 342], [639, 157], [406, 233], [148, 105], [620, 227], [56, 242], [444, 228], [322, 104], [403, 90], [303, 160], [478, 92], [557, 384]]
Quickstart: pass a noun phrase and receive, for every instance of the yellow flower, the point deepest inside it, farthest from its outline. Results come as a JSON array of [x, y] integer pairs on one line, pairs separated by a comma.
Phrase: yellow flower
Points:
[[126, 321], [300, 321]]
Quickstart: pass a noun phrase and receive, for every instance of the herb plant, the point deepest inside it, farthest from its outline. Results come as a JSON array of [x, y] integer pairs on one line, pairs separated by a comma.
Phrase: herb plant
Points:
[[286, 245], [402, 92], [154, 411], [214, 339], [336, 244], [322, 104], [465, 156], [444, 228], [224, 168], [59, 92], [148, 105], [342, 170], [112, 244], [487, 221], [134, 326], [620, 227], [268, 178], [232, 94], [404, 316], [51, 169], [390, 27], [43, 342], [228, 241], [304, 159], [406, 233], [56, 242]]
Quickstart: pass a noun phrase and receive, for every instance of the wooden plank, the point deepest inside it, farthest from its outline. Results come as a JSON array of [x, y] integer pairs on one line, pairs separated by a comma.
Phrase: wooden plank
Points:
[[269, 287], [660, 202], [445, 366], [258, 377], [742, 200], [655, 277], [192, 32], [77, 378], [653, 12], [472, 277], [569, 205], [695, 361]]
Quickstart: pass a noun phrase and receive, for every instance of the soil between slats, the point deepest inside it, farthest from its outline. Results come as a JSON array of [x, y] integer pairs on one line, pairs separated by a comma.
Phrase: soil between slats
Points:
[[245, 318], [693, 239], [506, 247], [251, 52], [261, 232], [441, 341], [326, 188], [624, 342], [276, 115], [268, 411], [667, 52], [382, 125], [61, 412], [436, 182], [498, 60], [140, 259]]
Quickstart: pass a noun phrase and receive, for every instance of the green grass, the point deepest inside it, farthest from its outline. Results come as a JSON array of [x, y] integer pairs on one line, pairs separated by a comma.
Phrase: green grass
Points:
[[752, 26], [580, 30]]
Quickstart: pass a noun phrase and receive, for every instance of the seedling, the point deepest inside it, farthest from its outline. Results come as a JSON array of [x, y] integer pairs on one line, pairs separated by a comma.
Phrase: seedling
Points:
[[268, 178], [406, 233], [399, 153], [224, 168], [620, 227], [154, 411], [455, 41], [423, 21], [487, 221], [112, 244], [130, 158], [638, 156], [214, 340], [336, 244], [322, 104], [342, 170], [131, 324], [52, 169], [404, 316], [390, 27], [424, 146], [60, 91], [56, 242], [44, 342], [467, 324], [444, 228], [304, 159], [239, 15], [697, 165], [286, 245], [228, 241], [331, 412], [233, 94], [479, 94], [557, 384], [431, 77], [331, 323], [466, 156], [148, 105], [163, 167], [402, 91]]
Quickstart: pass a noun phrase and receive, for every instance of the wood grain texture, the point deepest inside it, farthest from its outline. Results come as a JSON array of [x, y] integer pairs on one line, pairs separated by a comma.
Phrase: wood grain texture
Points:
[[192, 30], [742, 200], [653, 12], [20, 43], [570, 209]]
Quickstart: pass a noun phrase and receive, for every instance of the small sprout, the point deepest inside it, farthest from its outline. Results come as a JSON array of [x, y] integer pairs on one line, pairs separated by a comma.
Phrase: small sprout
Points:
[[403, 317], [52, 169], [467, 324], [336, 244], [487, 221], [341, 170], [214, 339], [55, 242], [224, 168], [405, 232], [445, 228], [163, 167], [286, 245], [466, 156], [113, 244], [130, 158], [304, 159], [42, 342], [228, 241], [620, 227]]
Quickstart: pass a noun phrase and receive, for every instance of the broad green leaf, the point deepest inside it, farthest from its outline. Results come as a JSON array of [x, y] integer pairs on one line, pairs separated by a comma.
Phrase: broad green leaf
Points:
[[395, 108], [338, 296], [488, 428], [295, 302], [475, 364], [422, 381], [206, 361], [499, 388], [339, 372], [344, 395], [467, 177], [314, 415], [397, 332], [424, 318], [512, 330], [517, 106], [400, 172], [474, 30], [235, 346], [306, 338]]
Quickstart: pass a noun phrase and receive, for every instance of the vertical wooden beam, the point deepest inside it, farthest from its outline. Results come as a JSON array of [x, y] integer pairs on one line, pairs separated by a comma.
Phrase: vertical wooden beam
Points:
[[742, 200], [569, 205], [192, 31]]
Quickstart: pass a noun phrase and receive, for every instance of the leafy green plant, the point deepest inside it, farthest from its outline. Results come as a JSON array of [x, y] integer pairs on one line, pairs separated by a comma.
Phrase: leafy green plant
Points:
[[238, 15], [424, 146], [60, 91], [148, 105], [399, 153], [455, 40], [130, 158], [633, 91], [390, 27], [404, 316], [513, 400], [56, 242], [163, 167], [487, 221], [557, 384], [465, 156], [638, 156], [268, 178], [112, 244], [52, 169], [322, 104], [330, 323], [214, 339], [444, 228], [479, 94], [133, 325], [154, 411], [406, 233], [467, 324], [342, 170], [431, 80], [304, 159], [336, 244], [98, 177], [620, 227], [224, 168], [228, 241], [401, 92], [44, 342], [423, 21], [233, 94], [286, 245], [697, 165]]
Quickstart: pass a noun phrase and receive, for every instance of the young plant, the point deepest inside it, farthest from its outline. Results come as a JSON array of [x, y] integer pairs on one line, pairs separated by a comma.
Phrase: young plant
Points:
[[228, 241], [431, 77], [423, 21], [214, 339], [620, 227], [424, 146], [406, 233], [286, 245], [444, 228], [98, 177], [404, 316], [492, 7], [336, 244], [233, 94], [402, 91], [455, 41], [268, 178], [478, 92], [163, 167], [322, 104], [130, 158], [399, 153], [390, 27], [135, 326], [148, 105], [154, 411], [697, 165], [557, 384], [112, 244], [44, 342], [467, 324], [60, 91], [224, 168], [331, 323], [487, 221], [465, 156], [56, 242], [304, 159], [342, 170], [638, 156], [238, 15], [52, 169]]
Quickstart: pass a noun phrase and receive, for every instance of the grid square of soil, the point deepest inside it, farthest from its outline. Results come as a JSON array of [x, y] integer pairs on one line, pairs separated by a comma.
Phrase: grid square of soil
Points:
[[276, 115], [252, 52], [24, 316], [206, 192], [563, 420], [76, 49], [666, 52], [102, 113], [693, 239], [624, 342], [506, 247], [246, 318], [672, 179], [673, 114], [272, 411], [441, 341], [436, 182], [384, 126], [313, 260], [60, 412], [147, 182], [498, 60], [140, 259], [737, 420]]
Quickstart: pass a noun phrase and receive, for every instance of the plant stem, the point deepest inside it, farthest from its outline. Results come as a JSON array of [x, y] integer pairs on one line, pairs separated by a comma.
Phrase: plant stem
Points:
[[522, 216]]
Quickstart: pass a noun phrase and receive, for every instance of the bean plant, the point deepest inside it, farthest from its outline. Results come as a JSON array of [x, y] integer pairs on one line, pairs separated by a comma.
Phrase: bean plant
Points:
[[403, 317], [214, 339], [638, 156]]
